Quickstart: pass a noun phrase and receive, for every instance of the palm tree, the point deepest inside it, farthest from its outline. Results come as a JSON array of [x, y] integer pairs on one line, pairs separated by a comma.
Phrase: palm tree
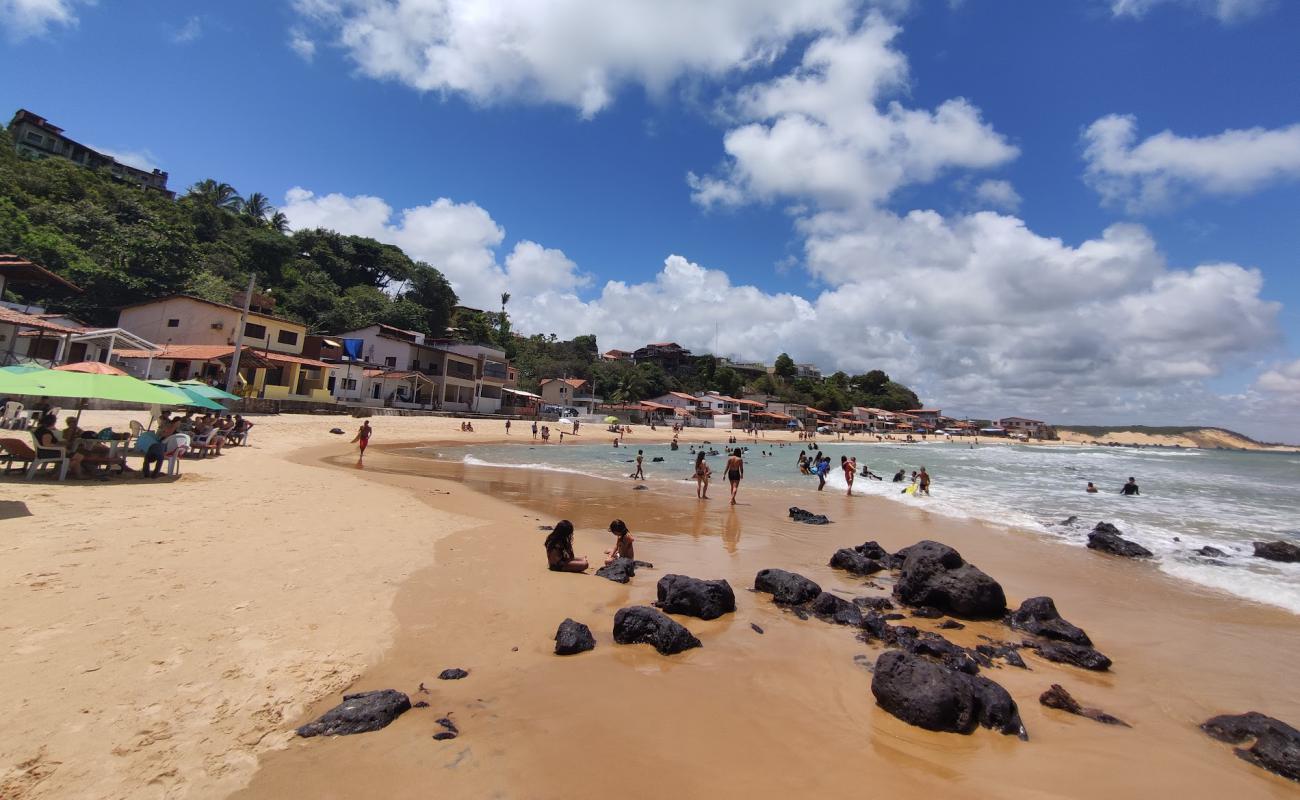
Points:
[[280, 222], [218, 195], [257, 207], [629, 387]]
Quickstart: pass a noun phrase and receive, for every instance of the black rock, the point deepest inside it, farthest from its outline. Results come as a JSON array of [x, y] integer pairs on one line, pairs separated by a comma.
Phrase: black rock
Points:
[[1277, 744], [643, 564], [931, 696], [1006, 652], [786, 588], [646, 625], [876, 603], [359, 713], [1038, 615], [874, 551], [640, 488], [421, 704], [656, 459], [935, 575], [1211, 552], [756, 629], [925, 643], [835, 609], [799, 515], [572, 638], [336, 431], [452, 674], [449, 730], [854, 562], [1067, 653], [1057, 697], [1105, 537], [679, 594], [925, 612], [895, 616], [1277, 551], [951, 625], [545, 527], [620, 570]]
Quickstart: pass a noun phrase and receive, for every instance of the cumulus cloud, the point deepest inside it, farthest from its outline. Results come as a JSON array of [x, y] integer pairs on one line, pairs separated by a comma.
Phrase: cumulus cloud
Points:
[[825, 133], [1282, 380], [23, 19], [1227, 11], [460, 239], [1166, 168], [997, 194], [302, 44], [572, 52]]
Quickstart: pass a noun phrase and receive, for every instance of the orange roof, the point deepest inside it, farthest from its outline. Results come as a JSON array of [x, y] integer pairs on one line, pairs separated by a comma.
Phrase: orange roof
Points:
[[750, 403], [576, 383], [212, 352], [772, 414], [653, 406], [685, 396], [20, 269], [11, 317]]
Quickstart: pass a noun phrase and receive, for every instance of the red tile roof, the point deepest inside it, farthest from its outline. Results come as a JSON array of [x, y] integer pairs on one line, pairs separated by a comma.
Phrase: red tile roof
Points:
[[11, 317], [20, 269]]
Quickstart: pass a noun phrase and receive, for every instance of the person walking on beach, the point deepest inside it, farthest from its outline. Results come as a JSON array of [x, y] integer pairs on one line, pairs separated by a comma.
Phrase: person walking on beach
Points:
[[702, 473], [923, 481], [534, 430], [622, 544], [559, 550], [507, 427], [823, 467], [639, 472], [362, 439], [1131, 488], [735, 472]]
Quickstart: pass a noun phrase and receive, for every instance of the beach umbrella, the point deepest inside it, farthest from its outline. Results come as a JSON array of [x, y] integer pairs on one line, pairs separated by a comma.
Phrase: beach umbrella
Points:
[[186, 396], [610, 420], [19, 369], [84, 386], [90, 368], [210, 392]]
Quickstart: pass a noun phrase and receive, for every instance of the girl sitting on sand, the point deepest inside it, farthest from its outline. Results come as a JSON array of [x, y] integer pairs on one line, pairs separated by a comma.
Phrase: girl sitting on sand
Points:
[[559, 549], [622, 545]]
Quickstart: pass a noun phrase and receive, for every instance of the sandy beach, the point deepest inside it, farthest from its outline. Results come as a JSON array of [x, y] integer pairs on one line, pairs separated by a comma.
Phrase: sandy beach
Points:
[[167, 636]]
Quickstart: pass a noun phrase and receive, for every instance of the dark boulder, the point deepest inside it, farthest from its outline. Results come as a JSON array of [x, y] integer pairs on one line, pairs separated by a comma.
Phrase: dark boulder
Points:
[[931, 696], [646, 625], [1105, 537], [875, 552], [1211, 552], [799, 515], [454, 674], [620, 570], [935, 575], [925, 643], [1004, 651], [679, 594], [1067, 653], [786, 588], [449, 729], [854, 562], [1038, 615], [830, 608], [359, 713], [1057, 697], [572, 638], [1277, 744], [1277, 551], [951, 625], [876, 603], [925, 612]]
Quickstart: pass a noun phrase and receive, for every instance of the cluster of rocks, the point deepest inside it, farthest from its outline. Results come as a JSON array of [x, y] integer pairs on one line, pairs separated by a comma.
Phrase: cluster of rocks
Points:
[[799, 515], [622, 570]]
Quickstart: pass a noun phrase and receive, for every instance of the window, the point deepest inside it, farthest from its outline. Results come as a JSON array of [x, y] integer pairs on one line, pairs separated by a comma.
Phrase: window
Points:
[[254, 331], [287, 337], [349, 383], [391, 361], [34, 138], [173, 323]]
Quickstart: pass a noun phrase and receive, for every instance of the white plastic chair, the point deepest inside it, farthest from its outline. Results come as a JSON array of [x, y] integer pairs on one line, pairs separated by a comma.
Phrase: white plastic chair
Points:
[[174, 448], [46, 455], [136, 430]]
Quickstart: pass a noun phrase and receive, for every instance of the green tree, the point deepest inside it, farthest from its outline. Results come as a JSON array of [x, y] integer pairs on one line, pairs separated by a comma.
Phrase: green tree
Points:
[[632, 385], [727, 381], [216, 194], [784, 367], [256, 207]]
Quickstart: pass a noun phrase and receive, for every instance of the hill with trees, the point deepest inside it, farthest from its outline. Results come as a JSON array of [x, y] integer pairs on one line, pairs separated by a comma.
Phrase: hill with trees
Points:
[[123, 244]]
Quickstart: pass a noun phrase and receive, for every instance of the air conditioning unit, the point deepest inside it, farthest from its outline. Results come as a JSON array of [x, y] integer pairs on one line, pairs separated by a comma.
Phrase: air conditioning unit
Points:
[[216, 326]]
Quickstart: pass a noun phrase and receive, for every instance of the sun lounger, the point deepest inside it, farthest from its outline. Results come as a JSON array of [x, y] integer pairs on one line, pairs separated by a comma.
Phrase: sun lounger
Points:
[[16, 450]]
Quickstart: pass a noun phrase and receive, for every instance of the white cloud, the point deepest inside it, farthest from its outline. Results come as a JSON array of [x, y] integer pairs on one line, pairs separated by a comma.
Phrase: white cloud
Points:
[[140, 159], [997, 194], [189, 32], [1165, 168], [301, 44], [22, 19], [824, 133], [1228, 11], [572, 52], [1283, 380]]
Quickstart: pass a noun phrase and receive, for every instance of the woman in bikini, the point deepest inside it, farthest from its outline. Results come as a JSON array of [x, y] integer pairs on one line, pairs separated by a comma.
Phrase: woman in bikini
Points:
[[622, 544], [735, 472], [850, 472], [702, 473], [559, 549]]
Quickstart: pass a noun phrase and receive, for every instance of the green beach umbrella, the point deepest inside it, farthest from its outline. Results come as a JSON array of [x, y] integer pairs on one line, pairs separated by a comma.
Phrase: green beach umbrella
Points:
[[610, 420], [210, 392], [186, 396], [84, 386], [20, 369]]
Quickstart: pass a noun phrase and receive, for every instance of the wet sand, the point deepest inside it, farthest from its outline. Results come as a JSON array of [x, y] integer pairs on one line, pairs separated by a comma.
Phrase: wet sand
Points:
[[788, 711]]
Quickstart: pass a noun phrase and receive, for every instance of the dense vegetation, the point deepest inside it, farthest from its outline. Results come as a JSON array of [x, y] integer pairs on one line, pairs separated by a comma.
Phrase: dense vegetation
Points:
[[1159, 430], [123, 244]]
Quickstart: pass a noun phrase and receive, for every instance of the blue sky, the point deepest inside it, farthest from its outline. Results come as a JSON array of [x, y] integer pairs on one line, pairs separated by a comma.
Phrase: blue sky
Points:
[[876, 184]]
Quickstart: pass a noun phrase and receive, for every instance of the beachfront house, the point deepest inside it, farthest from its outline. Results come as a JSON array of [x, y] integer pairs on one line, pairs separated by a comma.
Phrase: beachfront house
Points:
[[493, 372], [927, 418], [569, 393], [408, 370], [1023, 426], [668, 355], [197, 339], [616, 355]]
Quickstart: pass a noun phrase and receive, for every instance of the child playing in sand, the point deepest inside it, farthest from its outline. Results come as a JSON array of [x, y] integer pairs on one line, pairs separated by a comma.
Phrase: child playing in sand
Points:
[[559, 549], [622, 544]]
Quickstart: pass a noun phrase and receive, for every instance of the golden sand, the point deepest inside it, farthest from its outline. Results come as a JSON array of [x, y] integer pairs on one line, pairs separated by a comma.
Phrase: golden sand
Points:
[[165, 638]]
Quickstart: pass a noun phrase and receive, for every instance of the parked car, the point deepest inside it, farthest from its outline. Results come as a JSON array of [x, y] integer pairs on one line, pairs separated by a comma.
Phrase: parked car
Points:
[[553, 409], [570, 411]]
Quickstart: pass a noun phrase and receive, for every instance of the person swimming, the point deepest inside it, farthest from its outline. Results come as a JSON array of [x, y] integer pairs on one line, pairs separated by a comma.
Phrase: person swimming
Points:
[[1131, 488], [1091, 489], [898, 476]]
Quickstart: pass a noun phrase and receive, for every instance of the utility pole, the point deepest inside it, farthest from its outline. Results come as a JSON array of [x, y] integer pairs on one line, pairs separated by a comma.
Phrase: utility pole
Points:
[[239, 336]]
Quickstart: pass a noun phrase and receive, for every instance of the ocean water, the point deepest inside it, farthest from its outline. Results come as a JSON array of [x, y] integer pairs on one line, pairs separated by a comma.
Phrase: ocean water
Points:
[[1190, 498]]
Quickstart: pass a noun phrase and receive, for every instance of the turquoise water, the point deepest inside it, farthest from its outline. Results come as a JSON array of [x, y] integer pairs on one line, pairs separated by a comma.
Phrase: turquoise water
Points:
[[1190, 498]]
